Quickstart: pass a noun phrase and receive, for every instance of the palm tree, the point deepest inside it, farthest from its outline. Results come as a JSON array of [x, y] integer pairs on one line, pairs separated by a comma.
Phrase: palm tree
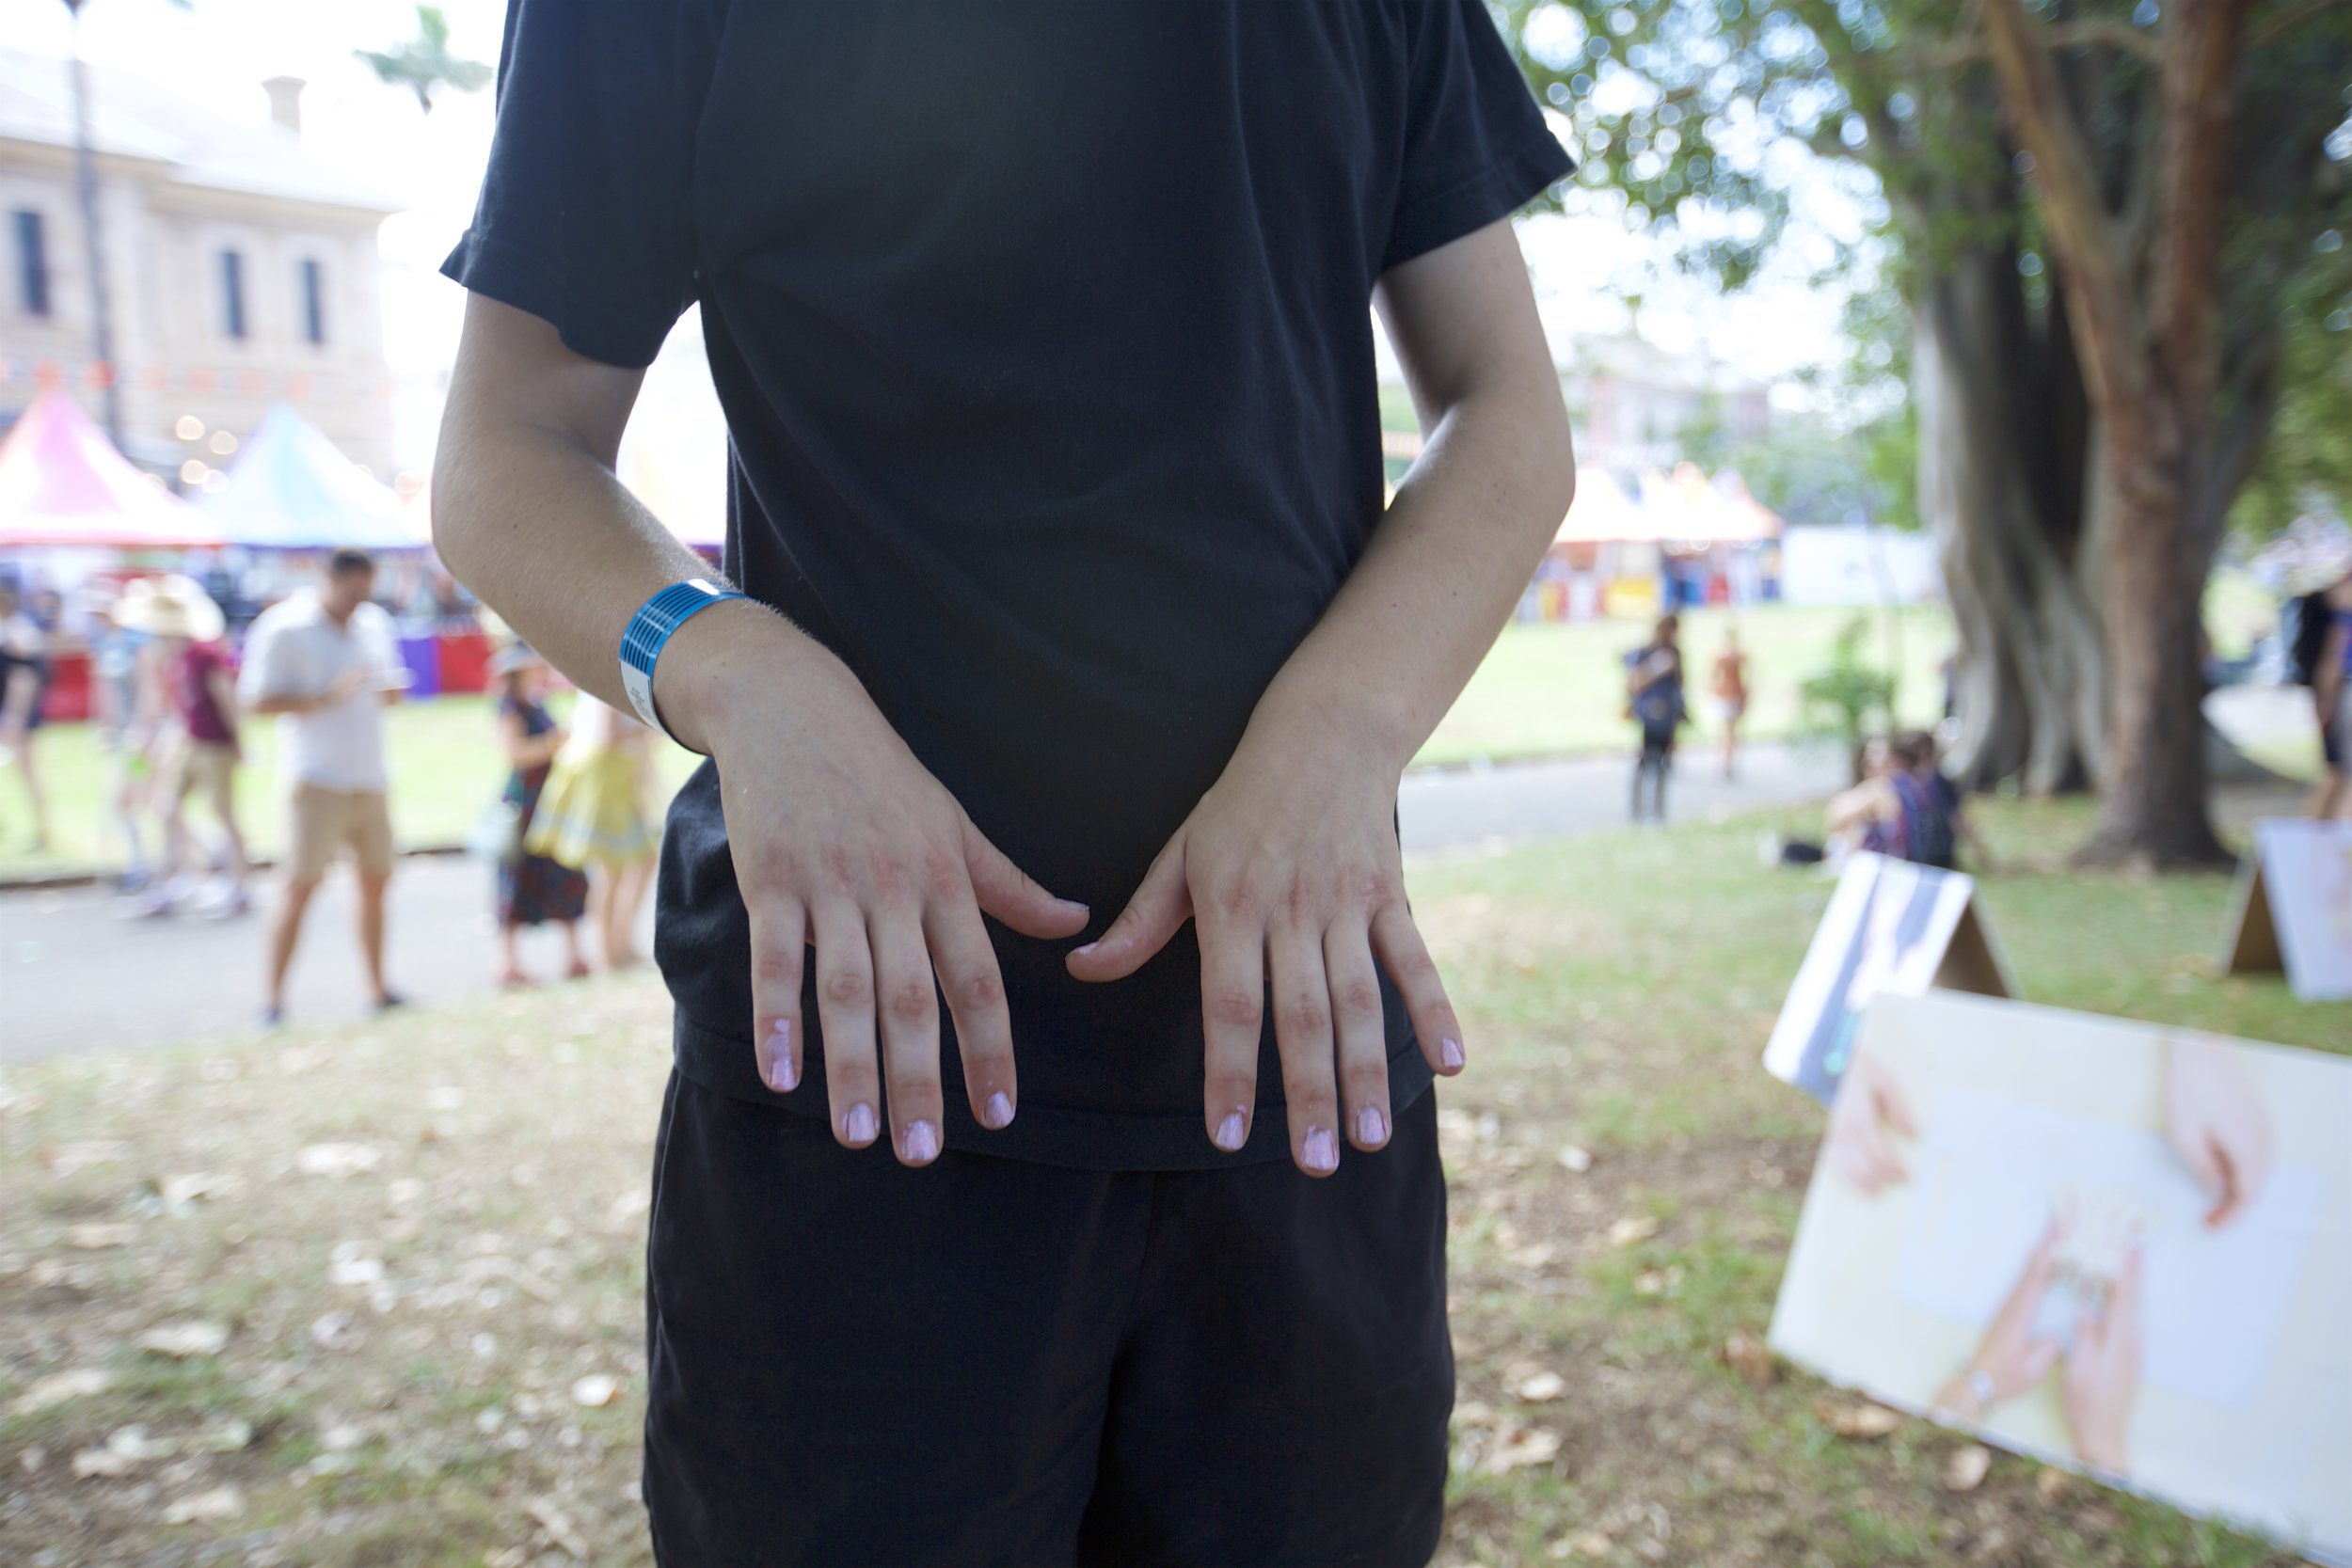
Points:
[[424, 62]]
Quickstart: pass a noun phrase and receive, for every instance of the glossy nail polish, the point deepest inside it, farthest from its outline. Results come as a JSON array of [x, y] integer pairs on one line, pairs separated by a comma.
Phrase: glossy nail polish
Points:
[[999, 1112], [1372, 1127], [1233, 1132], [858, 1125], [1450, 1053], [1321, 1151], [920, 1142]]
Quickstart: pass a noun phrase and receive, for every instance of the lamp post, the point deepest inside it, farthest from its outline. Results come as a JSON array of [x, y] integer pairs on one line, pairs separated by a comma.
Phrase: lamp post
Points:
[[86, 182]]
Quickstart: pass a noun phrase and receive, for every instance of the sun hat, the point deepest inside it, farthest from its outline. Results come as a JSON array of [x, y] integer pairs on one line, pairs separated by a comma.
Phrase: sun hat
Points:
[[169, 605], [513, 656]]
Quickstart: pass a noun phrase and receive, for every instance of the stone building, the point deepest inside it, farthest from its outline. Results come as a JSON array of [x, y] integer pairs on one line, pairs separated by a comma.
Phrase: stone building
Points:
[[242, 270]]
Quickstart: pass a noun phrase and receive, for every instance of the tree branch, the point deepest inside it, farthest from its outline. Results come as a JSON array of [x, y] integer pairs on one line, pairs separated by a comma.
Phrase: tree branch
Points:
[[2082, 33], [2278, 23], [2094, 268]]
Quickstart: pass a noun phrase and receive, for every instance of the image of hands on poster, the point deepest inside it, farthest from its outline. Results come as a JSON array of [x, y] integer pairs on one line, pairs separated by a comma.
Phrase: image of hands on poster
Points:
[[1888, 927], [2116, 1246]]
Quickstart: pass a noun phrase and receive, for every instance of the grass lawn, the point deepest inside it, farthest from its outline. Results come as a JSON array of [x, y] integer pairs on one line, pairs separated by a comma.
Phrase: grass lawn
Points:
[[1559, 687], [423, 1241]]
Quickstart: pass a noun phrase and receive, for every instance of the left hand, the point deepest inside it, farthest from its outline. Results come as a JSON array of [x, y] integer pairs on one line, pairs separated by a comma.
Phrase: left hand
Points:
[[2218, 1125], [1289, 868]]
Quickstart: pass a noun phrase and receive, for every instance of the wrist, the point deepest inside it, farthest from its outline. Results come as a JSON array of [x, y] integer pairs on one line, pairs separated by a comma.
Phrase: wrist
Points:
[[1341, 726], [723, 662]]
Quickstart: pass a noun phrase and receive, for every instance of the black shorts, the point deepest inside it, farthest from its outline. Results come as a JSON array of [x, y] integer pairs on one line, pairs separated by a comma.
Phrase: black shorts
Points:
[[994, 1361]]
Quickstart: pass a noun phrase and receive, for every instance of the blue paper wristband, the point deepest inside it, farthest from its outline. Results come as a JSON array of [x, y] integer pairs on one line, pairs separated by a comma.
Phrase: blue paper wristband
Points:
[[650, 629]]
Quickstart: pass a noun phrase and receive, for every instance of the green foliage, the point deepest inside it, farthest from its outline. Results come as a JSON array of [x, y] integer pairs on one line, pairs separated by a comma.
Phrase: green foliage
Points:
[[1849, 699], [2306, 464], [424, 63]]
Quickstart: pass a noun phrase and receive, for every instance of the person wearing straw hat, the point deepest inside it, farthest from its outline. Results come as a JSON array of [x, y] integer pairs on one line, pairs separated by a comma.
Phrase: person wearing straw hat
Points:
[[200, 750], [324, 663]]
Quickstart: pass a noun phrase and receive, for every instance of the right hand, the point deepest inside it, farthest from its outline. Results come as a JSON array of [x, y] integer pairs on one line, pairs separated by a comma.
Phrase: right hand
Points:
[[843, 841], [346, 686], [2102, 1382], [1869, 1112]]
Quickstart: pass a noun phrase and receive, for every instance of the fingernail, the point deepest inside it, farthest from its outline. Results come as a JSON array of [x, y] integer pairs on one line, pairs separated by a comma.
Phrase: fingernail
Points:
[[1321, 1151], [921, 1142], [1449, 1052], [999, 1111], [1231, 1132], [1372, 1128], [858, 1126], [1082, 952]]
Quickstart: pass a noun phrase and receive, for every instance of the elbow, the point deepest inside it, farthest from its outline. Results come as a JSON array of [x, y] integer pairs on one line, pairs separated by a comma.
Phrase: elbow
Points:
[[451, 539]]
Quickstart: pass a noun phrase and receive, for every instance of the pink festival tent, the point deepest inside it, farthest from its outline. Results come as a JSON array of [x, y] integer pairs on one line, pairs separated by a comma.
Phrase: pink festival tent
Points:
[[63, 484]]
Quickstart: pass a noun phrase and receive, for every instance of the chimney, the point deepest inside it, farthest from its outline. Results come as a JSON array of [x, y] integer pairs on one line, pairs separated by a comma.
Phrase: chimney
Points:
[[285, 100]]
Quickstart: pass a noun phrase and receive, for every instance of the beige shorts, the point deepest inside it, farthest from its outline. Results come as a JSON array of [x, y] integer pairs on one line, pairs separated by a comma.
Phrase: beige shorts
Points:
[[324, 821], [208, 766]]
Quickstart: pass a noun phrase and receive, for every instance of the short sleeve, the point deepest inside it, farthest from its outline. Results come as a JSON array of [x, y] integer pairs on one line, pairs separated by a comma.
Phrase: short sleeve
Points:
[[586, 217], [1477, 147], [264, 674]]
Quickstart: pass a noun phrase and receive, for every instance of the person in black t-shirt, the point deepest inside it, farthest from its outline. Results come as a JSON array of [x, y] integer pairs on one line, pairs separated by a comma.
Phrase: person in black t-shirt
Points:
[[1048, 1173]]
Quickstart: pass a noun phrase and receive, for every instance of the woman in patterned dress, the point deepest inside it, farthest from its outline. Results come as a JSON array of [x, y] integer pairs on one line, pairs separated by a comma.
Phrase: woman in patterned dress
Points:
[[533, 889]]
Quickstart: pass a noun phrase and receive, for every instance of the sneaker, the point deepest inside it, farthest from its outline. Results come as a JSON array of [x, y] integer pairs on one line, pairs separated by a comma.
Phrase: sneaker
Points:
[[389, 1001], [156, 904], [270, 1018], [234, 904]]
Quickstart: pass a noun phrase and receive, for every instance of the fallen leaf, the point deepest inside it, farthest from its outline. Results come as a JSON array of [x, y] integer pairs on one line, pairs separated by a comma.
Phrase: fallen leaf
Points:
[[1585, 1543], [1576, 1159], [133, 1445], [1522, 1446], [1746, 1353], [179, 1192], [595, 1391], [98, 1238], [221, 1502], [1649, 1282], [185, 1342], [1861, 1421], [67, 1158], [103, 1462], [333, 1331], [57, 1388], [558, 1527], [33, 1459], [2051, 1485], [223, 1436], [354, 1269], [1541, 1387], [1964, 1467], [341, 1437], [339, 1160], [1632, 1228]]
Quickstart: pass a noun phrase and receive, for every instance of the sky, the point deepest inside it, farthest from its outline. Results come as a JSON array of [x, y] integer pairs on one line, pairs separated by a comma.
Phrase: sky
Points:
[[217, 51]]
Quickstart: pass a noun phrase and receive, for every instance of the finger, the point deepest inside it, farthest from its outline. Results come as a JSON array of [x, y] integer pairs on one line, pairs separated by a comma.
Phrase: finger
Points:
[[1009, 893], [906, 1008], [1302, 1033], [845, 1007], [974, 989], [2123, 1300], [1396, 943], [779, 949], [1157, 912], [1896, 1108], [2230, 1192], [2039, 1358], [1233, 1018], [1363, 1034], [2210, 1168]]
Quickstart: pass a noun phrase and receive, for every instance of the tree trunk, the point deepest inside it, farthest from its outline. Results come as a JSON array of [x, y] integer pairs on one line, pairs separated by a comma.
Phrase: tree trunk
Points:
[[2030, 667], [2152, 810]]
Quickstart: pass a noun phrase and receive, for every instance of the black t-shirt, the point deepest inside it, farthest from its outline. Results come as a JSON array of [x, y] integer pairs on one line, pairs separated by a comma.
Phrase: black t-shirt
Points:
[[1042, 332]]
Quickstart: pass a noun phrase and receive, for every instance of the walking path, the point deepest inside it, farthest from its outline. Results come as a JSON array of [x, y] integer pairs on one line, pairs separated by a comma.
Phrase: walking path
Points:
[[74, 975]]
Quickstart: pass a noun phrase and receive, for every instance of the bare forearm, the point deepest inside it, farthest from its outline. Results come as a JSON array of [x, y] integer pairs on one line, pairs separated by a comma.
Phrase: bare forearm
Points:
[[534, 521], [1440, 576]]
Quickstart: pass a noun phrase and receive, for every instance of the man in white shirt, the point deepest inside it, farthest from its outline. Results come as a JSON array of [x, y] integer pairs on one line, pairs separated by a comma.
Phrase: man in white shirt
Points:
[[324, 662]]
